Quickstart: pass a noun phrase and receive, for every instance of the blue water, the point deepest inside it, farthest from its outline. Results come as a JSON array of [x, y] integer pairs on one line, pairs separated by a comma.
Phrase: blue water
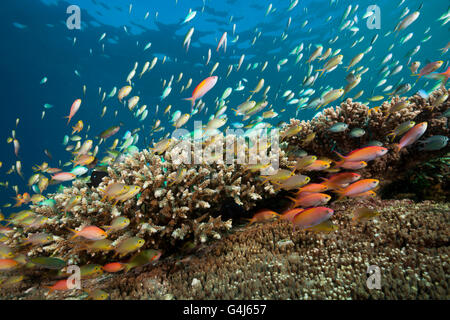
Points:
[[36, 43]]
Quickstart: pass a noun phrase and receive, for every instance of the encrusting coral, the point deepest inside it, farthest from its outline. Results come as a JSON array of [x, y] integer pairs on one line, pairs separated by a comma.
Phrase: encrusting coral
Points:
[[407, 241]]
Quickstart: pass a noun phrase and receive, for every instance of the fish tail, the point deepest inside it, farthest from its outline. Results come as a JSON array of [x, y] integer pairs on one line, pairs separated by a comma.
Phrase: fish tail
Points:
[[75, 233], [127, 267], [190, 99], [50, 288], [326, 182], [397, 147], [293, 200], [250, 221], [391, 134], [341, 162]]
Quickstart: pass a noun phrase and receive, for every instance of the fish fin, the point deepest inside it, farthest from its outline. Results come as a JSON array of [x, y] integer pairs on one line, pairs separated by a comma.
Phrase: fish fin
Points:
[[75, 233], [339, 163], [292, 199]]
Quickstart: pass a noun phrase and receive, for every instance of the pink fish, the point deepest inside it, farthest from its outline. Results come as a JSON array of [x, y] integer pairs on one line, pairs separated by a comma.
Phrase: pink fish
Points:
[[73, 109], [222, 41], [64, 176], [311, 217], [202, 88], [412, 135]]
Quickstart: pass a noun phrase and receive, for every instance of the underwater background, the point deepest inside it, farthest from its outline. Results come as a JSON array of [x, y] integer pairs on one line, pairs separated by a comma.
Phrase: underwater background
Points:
[[46, 67]]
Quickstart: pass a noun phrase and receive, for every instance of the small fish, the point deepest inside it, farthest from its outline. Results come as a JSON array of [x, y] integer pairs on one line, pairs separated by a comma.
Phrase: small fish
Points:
[[114, 267], [362, 214], [202, 88], [357, 133], [48, 262], [310, 200], [222, 42], [263, 215], [357, 188], [8, 264], [434, 143], [63, 176], [338, 127], [74, 109], [412, 135], [90, 233], [119, 223], [363, 154], [311, 217], [401, 129], [129, 245]]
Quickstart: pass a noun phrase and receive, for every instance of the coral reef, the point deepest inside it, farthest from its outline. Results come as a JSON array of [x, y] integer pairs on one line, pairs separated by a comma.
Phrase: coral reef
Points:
[[181, 209], [408, 242]]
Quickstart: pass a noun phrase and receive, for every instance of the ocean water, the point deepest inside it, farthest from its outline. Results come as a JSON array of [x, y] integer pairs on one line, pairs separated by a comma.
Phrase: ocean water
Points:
[[37, 44]]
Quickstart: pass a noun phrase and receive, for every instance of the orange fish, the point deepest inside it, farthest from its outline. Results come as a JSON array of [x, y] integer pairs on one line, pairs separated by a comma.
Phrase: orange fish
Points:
[[341, 179], [114, 267], [61, 285], [8, 264], [362, 154], [90, 233], [202, 88], [313, 188], [311, 200], [73, 109], [263, 215], [357, 188], [311, 217], [22, 199], [78, 127], [317, 165]]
